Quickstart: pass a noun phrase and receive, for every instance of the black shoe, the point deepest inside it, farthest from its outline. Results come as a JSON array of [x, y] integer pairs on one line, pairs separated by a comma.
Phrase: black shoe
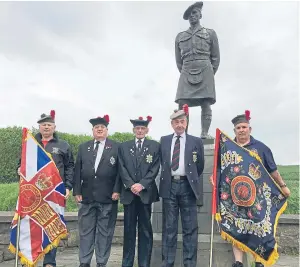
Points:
[[84, 265], [237, 264], [258, 264], [101, 265]]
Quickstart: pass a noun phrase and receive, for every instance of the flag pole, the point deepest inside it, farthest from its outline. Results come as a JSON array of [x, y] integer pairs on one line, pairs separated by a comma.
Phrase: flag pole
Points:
[[214, 194], [18, 240], [24, 136]]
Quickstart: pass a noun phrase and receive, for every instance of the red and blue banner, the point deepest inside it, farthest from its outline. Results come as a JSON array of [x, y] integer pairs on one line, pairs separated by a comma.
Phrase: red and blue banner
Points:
[[40, 204]]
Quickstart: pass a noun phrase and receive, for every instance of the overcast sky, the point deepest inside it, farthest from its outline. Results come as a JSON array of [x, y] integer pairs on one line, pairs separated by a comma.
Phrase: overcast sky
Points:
[[87, 59]]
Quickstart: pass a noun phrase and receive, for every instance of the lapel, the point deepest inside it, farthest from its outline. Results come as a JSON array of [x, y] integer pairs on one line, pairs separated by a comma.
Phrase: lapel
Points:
[[187, 149], [106, 150], [90, 152], [168, 148], [145, 149], [132, 152]]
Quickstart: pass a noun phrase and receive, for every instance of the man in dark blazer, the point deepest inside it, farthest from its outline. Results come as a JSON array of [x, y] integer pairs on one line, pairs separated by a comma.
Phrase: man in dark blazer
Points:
[[139, 166], [182, 160], [96, 188]]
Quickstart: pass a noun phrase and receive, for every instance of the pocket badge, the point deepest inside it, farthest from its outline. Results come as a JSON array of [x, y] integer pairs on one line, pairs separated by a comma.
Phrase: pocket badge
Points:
[[149, 158], [194, 156], [112, 161]]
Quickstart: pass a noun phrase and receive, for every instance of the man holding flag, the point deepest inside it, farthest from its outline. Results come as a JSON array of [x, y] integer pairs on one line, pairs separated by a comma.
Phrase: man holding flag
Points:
[[62, 156], [251, 177]]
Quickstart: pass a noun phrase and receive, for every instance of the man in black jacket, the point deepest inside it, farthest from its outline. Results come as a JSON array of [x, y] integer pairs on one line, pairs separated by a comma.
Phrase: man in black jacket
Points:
[[62, 156], [96, 188], [139, 166]]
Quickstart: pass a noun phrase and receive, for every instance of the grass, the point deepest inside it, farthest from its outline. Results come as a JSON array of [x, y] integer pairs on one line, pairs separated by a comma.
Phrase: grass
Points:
[[9, 194], [290, 174]]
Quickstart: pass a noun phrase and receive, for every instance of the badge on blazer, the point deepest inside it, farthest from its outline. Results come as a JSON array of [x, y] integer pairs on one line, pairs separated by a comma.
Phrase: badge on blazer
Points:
[[149, 158], [55, 150], [112, 160], [194, 156]]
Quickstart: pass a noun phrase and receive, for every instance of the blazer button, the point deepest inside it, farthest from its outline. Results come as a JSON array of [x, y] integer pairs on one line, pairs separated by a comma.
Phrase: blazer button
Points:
[[162, 178], [190, 172], [192, 181], [189, 164], [95, 177]]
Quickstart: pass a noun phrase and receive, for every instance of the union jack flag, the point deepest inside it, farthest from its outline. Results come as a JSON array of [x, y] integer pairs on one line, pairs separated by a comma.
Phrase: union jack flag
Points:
[[40, 204]]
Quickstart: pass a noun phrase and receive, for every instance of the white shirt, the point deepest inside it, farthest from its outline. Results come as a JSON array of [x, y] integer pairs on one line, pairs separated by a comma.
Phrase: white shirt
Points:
[[99, 153], [181, 169]]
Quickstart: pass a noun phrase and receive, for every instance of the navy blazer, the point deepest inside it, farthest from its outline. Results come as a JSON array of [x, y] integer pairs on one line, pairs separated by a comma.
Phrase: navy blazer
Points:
[[193, 160], [143, 172]]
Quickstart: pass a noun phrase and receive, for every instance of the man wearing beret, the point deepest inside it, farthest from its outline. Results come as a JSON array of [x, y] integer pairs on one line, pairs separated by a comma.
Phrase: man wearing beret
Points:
[[182, 160], [139, 166], [243, 137], [197, 57], [62, 156], [96, 188]]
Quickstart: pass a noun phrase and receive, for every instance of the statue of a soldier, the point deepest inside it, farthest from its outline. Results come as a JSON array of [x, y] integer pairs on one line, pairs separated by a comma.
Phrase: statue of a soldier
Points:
[[197, 58]]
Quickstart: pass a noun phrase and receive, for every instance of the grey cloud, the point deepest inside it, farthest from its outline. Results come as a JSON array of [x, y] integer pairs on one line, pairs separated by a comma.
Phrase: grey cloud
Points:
[[87, 59]]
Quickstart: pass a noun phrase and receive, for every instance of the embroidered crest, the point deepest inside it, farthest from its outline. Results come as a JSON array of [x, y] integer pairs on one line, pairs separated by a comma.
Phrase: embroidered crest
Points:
[[55, 150], [194, 156], [112, 160], [149, 158]]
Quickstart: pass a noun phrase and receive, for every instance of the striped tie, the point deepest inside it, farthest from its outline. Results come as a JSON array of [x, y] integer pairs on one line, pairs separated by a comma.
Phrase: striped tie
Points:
[[176, 153]]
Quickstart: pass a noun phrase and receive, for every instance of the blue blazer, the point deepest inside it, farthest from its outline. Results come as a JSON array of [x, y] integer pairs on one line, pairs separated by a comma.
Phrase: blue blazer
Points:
[[193, 160]]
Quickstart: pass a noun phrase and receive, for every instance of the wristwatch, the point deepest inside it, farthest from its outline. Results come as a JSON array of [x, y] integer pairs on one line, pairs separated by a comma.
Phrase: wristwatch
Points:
[[283, 185]]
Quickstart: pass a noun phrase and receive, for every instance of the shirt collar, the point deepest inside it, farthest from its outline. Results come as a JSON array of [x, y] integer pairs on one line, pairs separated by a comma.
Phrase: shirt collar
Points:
[[183, 135], [252, 141], [101, 142], [136, 140]]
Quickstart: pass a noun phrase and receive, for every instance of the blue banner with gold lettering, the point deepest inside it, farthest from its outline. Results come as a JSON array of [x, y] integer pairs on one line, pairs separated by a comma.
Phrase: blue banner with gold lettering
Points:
[[249, 201]]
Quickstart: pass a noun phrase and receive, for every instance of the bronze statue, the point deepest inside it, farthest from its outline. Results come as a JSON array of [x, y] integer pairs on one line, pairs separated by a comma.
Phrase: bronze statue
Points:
[[197, 58]]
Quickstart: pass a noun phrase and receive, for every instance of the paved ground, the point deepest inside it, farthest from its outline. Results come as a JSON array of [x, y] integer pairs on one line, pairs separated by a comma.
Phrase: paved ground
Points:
[[69, 258]]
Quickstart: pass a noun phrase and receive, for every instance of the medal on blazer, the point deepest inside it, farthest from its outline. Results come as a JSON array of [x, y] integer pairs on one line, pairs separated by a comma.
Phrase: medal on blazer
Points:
[[149, 158], [194, 156], [112, 160]]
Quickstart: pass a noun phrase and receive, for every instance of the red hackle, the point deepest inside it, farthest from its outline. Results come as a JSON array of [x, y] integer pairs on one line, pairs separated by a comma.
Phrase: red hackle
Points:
[[247, 115], [106, 117], [141, 118], [52, 114], [185, 108], [149, 118]]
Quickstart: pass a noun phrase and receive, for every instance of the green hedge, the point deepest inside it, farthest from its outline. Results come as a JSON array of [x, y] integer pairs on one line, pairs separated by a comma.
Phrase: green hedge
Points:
[[10, 148]]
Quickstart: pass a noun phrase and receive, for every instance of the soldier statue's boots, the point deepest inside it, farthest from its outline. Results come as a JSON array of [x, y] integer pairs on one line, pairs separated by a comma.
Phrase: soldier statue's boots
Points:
[[84, 265], [205, 124], [101, 265], [258, 264], [237, 264]]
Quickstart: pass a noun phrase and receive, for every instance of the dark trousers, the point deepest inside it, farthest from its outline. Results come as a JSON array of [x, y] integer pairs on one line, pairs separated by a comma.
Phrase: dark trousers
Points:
[[96, 224], [137, 213], [50, 258], [181, 199]]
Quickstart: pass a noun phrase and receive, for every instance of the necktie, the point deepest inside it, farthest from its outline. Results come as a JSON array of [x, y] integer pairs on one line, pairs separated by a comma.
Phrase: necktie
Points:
[[139, 145], [176, 153], [96, 148]]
